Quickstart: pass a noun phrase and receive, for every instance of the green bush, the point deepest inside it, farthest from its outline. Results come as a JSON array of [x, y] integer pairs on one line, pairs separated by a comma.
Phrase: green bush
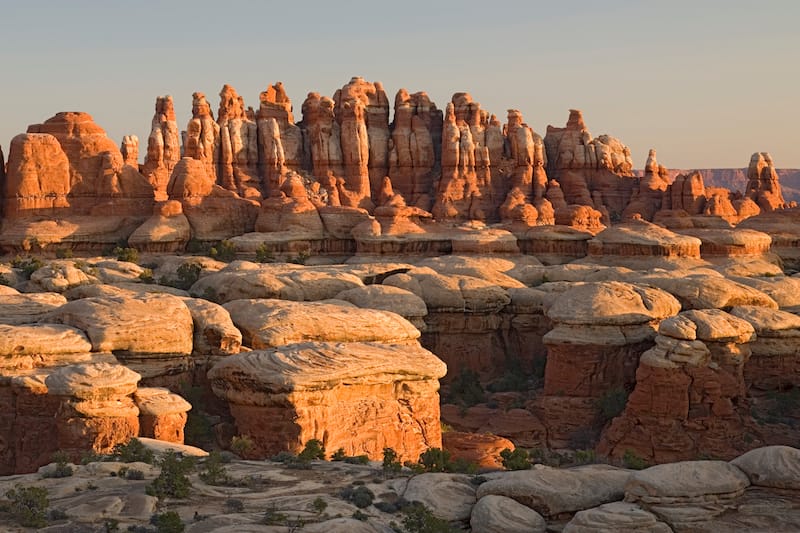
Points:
[[519, 459], [28, 265], [214, 472], [168, 522], [314, 449], [633, 461], [264, 254], [133, 452], [318, 505], [466, 389], [242, 445], [612, 403], [391, 463], [28, 505], [131, 255], [420, 519], [360, 496], [147, 276], [188, 274], [435, 460], [234, 505], [172, 481], [63, 253], [223, 251], [62, 469]]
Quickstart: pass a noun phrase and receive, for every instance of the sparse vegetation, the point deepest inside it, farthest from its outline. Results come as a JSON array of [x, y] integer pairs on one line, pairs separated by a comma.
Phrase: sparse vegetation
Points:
[[223, 251], [133, 452], [130, 255], [168, 522], [612, 403], [28, 505], [242, 445], [420, 519], [358, 495], [62, 469], [518, 459], [466, 389], [214, 473], [147, 276], [172, 481], [264, 254], [391, 463], [187, 275], [27, 265], [633, 461], [234, 505], [63, 253], [314, 449]]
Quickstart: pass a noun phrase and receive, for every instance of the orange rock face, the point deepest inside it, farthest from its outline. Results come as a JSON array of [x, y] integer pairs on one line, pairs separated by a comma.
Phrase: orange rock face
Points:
[[689, 394], [482, 449], [362, 397], [592, 171], [163, 147]]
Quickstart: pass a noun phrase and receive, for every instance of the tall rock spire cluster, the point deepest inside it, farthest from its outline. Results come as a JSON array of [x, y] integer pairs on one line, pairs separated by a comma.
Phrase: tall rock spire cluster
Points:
[[354, 156]]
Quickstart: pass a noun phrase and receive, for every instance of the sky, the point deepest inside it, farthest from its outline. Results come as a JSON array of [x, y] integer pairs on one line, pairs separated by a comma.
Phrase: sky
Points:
[[705, 82]]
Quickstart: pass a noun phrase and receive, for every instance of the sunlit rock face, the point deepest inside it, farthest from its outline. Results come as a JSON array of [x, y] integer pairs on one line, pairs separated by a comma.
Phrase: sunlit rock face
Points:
[[593, 171], [689, 393]]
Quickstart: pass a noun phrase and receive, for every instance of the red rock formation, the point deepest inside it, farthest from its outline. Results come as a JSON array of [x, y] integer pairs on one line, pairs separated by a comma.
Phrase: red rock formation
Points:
[[647, 200], [214, 213], [38, 180], [163, 147], [413, 147], [202, 138], [130, 150], [100, 182], [291, 211], [591, 171], [481, 449], [162, 414], [280, 141], [465, 189], [600, 329], [360, 396], [689, 394], [762, 183], [238, 146]]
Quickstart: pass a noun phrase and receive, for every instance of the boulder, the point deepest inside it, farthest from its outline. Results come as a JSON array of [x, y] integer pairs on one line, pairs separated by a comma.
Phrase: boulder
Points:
[[616, 516], [552, 491], [499, 514], [451, 497], [771, 466]]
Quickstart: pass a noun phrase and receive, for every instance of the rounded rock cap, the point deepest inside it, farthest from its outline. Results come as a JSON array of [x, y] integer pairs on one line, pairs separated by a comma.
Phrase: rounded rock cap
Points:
[[92, 381]]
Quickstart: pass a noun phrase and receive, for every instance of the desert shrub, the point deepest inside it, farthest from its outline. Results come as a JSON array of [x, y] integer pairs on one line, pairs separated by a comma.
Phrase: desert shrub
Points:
[[466, 389], [358, 515], [172, 481], [633, 461], [134, 474], [195, 246], [223, 251], [188, 274], [420, 519], [318, 505], [612, 403], [131, 255], [168, 522], [133, 452], [264, 254], [359, 495], [519, 459], [391, 463], [110, 525], [314, 449], [299, 259], [63, 253], [241, 445], [585, 457], [357, 459], [28, 505], [339, 455], [234, 505], [214, 472], [62, 469], [147, 276], [27, 265], [435, 460]]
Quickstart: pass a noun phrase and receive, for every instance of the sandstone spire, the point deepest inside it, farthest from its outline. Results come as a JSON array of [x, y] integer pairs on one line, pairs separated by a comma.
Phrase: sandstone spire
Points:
[[202, 138], [238, 146], [163, 146], [763, 186], [280, 141]]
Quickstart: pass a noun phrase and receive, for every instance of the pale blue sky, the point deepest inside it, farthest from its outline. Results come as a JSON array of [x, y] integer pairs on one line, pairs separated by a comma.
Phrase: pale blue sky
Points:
[[707, 83]]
